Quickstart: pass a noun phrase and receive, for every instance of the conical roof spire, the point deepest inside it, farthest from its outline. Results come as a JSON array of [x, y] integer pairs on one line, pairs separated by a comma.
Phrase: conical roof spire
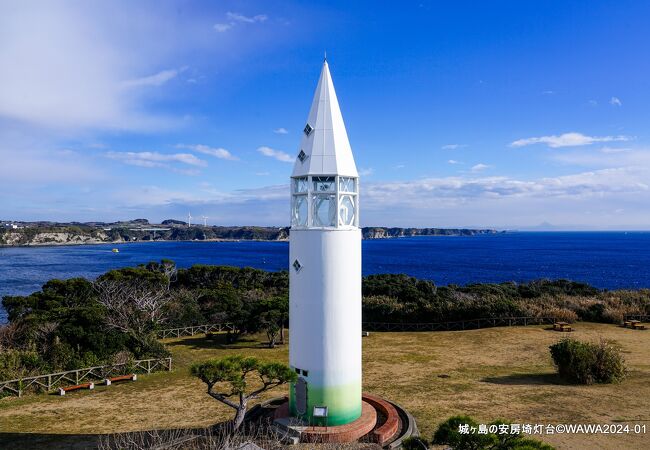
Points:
[[325, 149]]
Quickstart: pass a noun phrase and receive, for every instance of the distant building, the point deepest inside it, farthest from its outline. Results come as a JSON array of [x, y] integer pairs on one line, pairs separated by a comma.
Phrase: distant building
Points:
[[12, 226]]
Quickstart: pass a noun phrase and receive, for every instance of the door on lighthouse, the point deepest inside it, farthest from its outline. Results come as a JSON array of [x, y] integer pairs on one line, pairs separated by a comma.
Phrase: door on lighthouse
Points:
[[301, 396]]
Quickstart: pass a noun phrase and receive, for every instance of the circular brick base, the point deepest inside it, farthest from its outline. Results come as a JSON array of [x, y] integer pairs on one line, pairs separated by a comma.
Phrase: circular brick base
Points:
[[391, 421], [339, 434]]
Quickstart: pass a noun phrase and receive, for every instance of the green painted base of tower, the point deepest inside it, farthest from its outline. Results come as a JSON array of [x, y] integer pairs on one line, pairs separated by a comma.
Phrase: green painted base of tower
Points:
[[343, 403]]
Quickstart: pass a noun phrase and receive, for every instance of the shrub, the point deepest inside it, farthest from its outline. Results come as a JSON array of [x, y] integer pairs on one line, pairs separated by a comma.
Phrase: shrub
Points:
[[18, 364], [587, 363], [610, 364], [150, 348], [125, 360], [448, 433], [414, 443]]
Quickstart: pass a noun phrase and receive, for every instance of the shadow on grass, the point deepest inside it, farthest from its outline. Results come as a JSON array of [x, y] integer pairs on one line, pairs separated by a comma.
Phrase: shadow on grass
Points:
[[38, 441], [256, 424], [560, 333], [525, 379], [52, 441], [218, 341]]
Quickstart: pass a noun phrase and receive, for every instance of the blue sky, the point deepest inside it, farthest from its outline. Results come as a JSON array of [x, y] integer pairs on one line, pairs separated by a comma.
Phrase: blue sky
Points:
[[491, 114]]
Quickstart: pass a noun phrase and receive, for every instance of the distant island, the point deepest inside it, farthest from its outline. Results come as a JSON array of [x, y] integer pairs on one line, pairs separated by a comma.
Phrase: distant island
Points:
[[140, 230]]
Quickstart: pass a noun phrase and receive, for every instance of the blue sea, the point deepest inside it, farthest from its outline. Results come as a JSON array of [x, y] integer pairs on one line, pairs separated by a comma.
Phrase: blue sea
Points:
[[609, 260]]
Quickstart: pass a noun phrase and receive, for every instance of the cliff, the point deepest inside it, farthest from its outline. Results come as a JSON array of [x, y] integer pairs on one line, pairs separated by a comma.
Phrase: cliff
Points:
[[382, 233], [73, 234]]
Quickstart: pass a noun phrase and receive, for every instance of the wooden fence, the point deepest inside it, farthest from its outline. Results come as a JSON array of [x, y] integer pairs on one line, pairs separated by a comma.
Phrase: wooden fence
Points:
[[641, 317], [195, 329], [469, 324], [51, 381], [385, 326]]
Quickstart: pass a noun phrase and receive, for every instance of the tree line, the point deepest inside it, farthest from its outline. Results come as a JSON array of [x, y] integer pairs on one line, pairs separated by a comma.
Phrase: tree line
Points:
[[77, 322]]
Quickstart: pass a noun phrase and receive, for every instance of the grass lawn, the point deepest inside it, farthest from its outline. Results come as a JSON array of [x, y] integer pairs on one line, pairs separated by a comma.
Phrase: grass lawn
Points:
[[488, 374]]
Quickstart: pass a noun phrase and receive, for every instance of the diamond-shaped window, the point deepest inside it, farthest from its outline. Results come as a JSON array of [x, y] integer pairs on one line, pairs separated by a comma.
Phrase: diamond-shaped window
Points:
[[302, 156], [308, 129], [297, 266]]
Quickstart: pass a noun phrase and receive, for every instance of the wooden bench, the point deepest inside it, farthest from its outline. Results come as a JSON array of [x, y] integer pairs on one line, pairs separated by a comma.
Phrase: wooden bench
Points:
[[634, 324], [75, 387], [130, 377], [562, 326]]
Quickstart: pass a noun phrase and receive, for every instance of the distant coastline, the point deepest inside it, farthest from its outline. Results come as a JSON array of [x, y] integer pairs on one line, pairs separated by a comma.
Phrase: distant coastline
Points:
[[28, 234]]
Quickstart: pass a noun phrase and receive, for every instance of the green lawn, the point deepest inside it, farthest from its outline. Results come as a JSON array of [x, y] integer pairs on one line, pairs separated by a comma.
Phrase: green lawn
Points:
[[490, 373]]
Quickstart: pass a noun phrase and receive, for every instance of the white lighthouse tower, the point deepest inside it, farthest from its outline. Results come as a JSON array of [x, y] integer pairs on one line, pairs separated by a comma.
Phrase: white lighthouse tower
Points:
[[325, 268]]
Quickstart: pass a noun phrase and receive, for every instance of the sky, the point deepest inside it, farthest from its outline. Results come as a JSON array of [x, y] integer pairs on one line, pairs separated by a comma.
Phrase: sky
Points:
[[501, 114]]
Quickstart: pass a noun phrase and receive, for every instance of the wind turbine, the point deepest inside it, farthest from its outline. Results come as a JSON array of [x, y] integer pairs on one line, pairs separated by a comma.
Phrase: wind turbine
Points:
[[205, 221], [189, 220]]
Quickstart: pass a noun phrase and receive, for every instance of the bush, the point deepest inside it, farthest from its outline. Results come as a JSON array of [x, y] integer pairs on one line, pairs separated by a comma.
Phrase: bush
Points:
[[587, 363], [19, 363], [448, 433], [414, 443]]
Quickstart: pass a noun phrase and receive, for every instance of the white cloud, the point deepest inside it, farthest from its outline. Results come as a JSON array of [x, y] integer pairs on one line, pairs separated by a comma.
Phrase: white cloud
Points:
[[588, 198], [584, 184], [480, 167], [155, 159], [217, 152], [593, 103], [365, 172], [567, 140], [45, 167], [277, 154], [606, 157], [157, 79], [613, 150], [453, 161], [592, 198], [281, 131], [615, 101], [453, 146], [235, 18], [223, 27], [65, 65], [246, 19], [548, 92]]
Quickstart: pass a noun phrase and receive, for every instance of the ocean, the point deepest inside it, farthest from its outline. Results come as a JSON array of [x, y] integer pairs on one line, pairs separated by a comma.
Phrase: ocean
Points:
[[608, 260]]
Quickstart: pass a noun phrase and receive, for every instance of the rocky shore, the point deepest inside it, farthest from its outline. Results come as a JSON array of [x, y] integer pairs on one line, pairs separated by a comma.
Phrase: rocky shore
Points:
[[38, 234]]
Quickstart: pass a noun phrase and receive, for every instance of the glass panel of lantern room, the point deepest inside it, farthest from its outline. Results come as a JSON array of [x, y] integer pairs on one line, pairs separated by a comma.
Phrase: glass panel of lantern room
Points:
[[300, 185], [347, 184], [324, 184], [299, 211], [347, 210], [324, 210]]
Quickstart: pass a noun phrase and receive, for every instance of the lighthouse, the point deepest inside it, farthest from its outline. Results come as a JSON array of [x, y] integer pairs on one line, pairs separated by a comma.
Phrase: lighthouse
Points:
[[325, 268]]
